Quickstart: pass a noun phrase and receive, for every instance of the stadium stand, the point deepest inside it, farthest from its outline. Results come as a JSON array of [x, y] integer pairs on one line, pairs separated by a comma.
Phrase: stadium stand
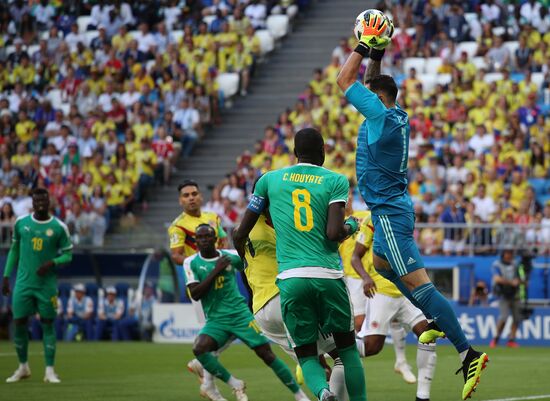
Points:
[[99, 99], [475, 83]]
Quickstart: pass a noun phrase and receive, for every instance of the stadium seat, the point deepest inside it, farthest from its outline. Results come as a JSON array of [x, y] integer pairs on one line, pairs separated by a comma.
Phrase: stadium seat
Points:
[[92, 289], [64, 290], [32, 49], [433, 64], [122, 289], [228, 83], [538, 79], [267, 43], [90, 35], [177, 35], [443, 79], [493, 76], [10, 50], [418, 63], [429, 82], [512, 47], [479, 62], [277, 25], [83, 22], [468, 47]]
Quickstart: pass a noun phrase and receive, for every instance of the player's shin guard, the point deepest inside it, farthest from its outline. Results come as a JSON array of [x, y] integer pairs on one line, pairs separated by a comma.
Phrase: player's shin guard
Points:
[[426, 359], [21, 339], [437, 305], [283, 373], [211, 364], [354, 374], [48, 339], [338, 380], [314, 374], [398, 335]]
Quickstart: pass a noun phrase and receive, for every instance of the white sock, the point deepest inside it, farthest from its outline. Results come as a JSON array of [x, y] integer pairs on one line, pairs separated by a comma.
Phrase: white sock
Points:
[[398, 335], [24, 365], [49, 370], [337, 382], [360, 346], [207, 379], [463, 355], [426, 359], [235, 383], [300, 395]]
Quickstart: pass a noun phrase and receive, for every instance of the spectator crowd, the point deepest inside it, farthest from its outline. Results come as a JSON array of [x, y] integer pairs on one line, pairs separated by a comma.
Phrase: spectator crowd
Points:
[[98, 99], [480, 132]]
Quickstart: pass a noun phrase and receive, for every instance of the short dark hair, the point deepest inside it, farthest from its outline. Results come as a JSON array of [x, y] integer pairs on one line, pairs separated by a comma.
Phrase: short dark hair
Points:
[[383, 83], [207, 226], [39, 191], [187, 183], [308, 142]]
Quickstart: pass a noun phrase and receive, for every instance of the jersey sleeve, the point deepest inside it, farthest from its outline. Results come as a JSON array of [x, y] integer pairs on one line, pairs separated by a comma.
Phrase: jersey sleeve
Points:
[[177, 237], [16, 237], [340, 190], [221, 231], [65, 243], [190, 277], [366, 233], [258, 200], [365, 101]]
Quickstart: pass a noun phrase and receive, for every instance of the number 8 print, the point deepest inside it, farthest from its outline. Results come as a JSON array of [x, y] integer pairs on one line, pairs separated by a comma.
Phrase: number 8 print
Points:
[[302, 204]]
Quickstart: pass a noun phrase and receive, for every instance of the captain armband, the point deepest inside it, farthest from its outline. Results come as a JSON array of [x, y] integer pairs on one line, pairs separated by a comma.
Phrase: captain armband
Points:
[[257, 204]]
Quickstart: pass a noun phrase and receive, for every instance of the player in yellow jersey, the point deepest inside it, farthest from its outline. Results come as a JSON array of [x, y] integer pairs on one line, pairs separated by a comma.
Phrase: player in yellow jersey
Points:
[[386, 306], [261, 274], [182, 245]]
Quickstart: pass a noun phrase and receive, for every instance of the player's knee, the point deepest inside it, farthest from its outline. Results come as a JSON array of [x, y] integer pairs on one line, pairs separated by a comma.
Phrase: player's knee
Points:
[[200, 346], [373, 347], [265, 353]]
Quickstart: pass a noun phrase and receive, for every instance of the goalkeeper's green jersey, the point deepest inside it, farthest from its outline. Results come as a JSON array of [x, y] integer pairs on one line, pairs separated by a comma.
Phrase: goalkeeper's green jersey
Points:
[[223, 302], [298, 198], [39, 242]]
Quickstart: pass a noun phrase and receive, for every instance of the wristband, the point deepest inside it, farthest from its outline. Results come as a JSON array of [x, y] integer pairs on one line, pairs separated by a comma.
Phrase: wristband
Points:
[[350, 221], [362, 49], [377, 55]]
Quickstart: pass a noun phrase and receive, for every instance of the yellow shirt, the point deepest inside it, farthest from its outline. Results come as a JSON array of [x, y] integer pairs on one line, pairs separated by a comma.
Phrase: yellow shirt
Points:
[[182, 230], [23, 75], [144, 159], [23, 130], [366, 238], [100, 128], [21, 160], [346, 247], [144, 130], [261, 271], [116, 194], [120, 42]]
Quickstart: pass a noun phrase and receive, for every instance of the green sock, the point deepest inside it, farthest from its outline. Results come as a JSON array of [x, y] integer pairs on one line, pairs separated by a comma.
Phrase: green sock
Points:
[[314, 374], [354, 374], [212, 366], [48, 339], [22, 342], [283, 373]]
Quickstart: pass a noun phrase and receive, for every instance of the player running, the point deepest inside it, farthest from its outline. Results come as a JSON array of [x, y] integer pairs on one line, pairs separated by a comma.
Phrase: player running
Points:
[[382, 157], [40, 243], [386, 305], [307, 205], [182, 245], [210, 278]]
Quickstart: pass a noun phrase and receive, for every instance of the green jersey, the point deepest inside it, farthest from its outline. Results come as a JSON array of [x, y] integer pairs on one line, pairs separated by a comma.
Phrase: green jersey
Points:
[[298, 198], [39, 242], [223, 301]]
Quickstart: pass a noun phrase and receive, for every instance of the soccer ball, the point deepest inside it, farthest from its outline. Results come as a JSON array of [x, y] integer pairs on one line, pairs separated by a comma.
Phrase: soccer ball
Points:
[[383, 33]]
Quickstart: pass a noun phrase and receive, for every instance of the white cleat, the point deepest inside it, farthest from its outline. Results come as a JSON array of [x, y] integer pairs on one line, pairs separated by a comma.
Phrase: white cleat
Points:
[[405, 370], [211, 393], [196, 368], [240, 392], [51, 377], [22, 372]]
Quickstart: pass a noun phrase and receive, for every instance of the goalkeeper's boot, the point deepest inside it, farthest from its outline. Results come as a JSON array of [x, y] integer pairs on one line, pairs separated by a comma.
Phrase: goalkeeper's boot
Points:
[[299, 375], [432, 333], [211, 392], [195, 367], [50, 376], [472, 366], [239, 392], [22, 372]]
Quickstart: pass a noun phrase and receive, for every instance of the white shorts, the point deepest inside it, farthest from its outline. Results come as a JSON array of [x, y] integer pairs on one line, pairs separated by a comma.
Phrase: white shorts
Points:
[[356, 294], [383, 309], [270, 320]]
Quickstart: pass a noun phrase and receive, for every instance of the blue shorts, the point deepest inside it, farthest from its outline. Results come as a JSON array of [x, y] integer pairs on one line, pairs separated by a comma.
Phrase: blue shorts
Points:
[[394, 242]]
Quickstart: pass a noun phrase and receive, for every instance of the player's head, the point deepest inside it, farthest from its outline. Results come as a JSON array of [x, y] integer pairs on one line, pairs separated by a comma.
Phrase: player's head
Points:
[[309, 146], [40, 200], [190, 196], [205, 235], [385, 87]]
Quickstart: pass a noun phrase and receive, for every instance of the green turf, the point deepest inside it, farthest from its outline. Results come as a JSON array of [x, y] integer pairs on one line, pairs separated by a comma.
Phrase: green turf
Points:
[[140, 371]]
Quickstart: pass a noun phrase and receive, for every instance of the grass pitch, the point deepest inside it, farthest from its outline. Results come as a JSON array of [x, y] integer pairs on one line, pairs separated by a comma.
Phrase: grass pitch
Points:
[[142, 371]]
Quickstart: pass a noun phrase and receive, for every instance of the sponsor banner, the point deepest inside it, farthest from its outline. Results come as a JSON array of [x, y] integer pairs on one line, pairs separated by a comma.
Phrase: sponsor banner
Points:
[[480, 326], [175, 323]]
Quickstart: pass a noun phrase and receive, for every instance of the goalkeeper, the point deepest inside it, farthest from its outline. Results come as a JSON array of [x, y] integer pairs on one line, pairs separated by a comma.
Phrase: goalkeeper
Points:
[[381, 165]]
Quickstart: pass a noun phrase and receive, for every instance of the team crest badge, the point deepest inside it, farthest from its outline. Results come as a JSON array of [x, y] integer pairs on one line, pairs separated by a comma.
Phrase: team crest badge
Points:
[[49, 232]]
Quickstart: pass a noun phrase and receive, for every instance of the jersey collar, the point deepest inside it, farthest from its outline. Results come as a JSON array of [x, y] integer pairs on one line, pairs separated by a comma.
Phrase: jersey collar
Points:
[[308, 164], [211, 259], [41, 221]]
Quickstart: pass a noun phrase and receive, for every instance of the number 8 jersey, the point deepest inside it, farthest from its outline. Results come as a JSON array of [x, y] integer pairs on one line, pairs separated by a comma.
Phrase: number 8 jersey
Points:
[[298, 199]]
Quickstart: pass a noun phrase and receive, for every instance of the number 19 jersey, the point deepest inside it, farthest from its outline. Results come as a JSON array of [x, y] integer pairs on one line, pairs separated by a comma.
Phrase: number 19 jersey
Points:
[[299, 198]]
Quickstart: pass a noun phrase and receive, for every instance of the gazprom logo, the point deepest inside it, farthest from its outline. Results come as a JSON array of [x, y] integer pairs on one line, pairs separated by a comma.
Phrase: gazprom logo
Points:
[[169, 330]]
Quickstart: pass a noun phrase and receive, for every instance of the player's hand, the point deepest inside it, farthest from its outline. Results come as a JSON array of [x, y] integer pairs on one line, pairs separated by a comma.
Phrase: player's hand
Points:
[[45, 268], [369, 287], [6, 286], [222, 263], [372, 31]]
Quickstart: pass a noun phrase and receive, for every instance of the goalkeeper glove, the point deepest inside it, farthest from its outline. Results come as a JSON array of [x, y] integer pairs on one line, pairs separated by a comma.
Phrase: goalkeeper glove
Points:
[[353, 223], [373, 30]]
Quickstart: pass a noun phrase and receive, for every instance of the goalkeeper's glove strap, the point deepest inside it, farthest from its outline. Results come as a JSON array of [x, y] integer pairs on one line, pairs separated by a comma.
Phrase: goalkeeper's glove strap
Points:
[[362, 50], [377, 55]]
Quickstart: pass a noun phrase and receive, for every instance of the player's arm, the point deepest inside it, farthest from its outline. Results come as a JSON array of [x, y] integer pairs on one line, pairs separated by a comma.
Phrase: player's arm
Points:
[[339, 229], [89, 308], [64, 258], [177, 241], [369, 287], [199, 289], [120, 310], [11, 262]]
